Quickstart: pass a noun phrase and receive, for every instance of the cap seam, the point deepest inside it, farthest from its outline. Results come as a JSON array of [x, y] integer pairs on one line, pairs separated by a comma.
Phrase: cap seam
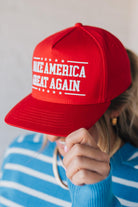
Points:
[[62, 37], [102, 88]]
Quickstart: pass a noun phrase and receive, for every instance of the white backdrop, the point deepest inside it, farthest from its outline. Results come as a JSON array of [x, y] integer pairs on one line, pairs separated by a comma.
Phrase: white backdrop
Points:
[[24, 23]]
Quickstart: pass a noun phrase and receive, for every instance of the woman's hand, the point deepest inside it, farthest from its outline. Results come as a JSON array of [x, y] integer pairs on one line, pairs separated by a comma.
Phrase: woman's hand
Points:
[[84, 162]]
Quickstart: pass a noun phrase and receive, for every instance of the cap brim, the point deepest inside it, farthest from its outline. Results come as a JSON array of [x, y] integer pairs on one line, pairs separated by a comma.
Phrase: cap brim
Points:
[[52, 118]]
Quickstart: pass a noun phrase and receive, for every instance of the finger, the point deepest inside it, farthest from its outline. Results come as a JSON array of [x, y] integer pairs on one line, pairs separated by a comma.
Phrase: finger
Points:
[[80, 136], [86, 177], [79, 163], [85, 151]]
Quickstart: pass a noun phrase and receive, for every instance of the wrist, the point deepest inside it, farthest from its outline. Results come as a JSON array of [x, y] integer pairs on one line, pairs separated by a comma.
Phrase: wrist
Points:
[[98, 194]]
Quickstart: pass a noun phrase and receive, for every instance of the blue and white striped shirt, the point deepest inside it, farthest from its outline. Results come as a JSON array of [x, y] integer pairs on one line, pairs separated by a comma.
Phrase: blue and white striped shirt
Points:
[[27, 177]]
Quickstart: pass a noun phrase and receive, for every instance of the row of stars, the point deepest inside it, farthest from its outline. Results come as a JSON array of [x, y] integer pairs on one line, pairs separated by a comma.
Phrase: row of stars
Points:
[[56, 60], [48, 91]]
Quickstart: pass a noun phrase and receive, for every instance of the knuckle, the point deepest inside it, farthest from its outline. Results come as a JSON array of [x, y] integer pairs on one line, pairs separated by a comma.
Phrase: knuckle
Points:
[[77, 162], [77, 149], [82, 175], [75, 181], [83, 132]]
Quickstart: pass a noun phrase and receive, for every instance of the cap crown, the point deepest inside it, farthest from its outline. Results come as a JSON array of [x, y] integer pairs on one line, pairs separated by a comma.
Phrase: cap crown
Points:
[[80, 65]]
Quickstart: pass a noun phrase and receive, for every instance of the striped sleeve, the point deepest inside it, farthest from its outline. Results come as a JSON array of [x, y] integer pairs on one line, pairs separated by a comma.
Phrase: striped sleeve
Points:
[[125, 176], [27, 176]]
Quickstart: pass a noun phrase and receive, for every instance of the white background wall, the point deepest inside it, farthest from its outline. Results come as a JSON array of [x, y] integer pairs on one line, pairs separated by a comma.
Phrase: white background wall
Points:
[[24, 23]]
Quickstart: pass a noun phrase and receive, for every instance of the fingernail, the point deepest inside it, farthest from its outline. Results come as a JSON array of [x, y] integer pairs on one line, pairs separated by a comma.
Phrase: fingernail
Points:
[[65, 148]]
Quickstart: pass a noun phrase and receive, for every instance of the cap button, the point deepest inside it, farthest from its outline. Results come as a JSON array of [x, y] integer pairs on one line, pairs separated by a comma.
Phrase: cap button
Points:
[[78, 25]]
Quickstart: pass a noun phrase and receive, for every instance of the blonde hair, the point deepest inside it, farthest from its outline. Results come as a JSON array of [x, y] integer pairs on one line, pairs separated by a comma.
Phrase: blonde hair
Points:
[[127, 123]]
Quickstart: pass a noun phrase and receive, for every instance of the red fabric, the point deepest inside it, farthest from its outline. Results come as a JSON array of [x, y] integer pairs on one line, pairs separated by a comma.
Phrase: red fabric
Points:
[[53, 118], [75, 74]]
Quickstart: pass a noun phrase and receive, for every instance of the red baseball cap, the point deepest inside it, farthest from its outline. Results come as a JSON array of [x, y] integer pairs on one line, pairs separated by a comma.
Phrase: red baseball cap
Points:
[[75, 74]]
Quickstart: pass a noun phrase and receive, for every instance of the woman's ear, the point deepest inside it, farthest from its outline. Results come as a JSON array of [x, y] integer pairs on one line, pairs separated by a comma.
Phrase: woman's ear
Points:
[[116, 113]]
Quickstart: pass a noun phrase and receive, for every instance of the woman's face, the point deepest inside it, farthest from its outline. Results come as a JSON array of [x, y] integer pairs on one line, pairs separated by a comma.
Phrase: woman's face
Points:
[[60, 141]]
